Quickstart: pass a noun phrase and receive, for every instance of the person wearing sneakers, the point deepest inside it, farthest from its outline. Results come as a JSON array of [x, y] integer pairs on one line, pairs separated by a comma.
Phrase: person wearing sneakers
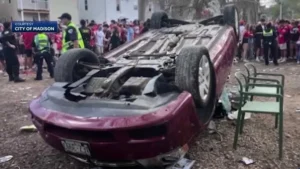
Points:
[[282, 41], [28, 39], [246, 35], [258, 39]]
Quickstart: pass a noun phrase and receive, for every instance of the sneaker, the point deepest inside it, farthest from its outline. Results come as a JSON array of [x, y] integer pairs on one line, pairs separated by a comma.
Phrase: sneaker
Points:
[[298, 62], [283, 60], [246, 61], [257, 59], [262, 58]]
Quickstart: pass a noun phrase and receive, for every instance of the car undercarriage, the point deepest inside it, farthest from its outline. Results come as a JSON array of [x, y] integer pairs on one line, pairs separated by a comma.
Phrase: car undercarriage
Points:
[[161, 89]]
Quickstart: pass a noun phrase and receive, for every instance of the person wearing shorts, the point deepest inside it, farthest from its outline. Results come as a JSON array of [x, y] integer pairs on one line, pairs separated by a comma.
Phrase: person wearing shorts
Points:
[[99, 41], [258, 39], [282, 41], [28, 39]]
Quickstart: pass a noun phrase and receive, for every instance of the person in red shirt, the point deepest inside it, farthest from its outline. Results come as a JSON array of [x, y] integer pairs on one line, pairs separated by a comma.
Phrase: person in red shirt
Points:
[[282, 40], [247, 34], [58, 41], [94, 29], [28, 39], [123, 34]]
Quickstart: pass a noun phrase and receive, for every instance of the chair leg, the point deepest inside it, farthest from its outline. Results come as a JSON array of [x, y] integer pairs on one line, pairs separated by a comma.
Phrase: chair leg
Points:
[[237, 129], [280, 135], [242, 122], [276, 121]]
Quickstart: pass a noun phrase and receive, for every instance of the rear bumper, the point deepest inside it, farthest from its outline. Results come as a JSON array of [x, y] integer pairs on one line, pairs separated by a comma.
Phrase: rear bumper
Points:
[[124, 139]]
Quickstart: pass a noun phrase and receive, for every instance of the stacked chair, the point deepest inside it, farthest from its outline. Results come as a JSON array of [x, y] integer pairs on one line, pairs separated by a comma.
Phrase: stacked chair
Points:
[[258, 84]]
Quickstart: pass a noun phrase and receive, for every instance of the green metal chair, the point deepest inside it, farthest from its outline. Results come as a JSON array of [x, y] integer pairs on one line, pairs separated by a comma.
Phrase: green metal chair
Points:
[[253, 76], [262, 107]]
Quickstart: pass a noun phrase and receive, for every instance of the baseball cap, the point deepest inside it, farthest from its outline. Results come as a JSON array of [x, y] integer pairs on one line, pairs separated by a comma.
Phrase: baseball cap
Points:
[[65, 16]]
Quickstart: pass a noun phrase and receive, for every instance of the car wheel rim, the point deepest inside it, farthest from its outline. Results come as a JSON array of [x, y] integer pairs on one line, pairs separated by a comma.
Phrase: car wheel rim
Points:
[[204, 77]]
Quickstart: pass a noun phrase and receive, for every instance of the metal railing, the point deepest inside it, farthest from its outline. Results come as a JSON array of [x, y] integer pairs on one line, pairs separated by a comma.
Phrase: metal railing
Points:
[[33, 4]]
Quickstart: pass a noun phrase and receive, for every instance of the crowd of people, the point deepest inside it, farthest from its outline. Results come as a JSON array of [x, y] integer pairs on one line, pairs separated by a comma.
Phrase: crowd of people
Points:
[[267, 41], [270, 41], [104, 37], [98, 37]]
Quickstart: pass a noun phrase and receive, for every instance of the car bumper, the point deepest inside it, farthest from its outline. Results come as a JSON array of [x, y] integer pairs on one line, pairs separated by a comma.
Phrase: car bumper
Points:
[[130, 140]]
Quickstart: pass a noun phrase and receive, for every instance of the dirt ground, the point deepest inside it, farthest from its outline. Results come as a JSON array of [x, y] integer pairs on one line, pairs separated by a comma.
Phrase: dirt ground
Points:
[[211, 151]]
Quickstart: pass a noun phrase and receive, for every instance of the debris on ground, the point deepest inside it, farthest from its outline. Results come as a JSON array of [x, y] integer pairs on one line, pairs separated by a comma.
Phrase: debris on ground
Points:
[[234, 115], [288, 96], [224, 99], [234, 97], [247, 161], [212, 128], [5, 158], [30, 128], [183, 164]]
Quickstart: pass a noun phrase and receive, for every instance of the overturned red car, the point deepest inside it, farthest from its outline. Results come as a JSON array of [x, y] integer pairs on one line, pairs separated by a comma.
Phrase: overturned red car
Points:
[[144, 102]]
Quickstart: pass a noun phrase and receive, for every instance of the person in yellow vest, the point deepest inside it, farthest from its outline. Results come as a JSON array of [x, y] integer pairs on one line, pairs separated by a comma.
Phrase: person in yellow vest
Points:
[[269, 44], [71, 35], [41, 47]]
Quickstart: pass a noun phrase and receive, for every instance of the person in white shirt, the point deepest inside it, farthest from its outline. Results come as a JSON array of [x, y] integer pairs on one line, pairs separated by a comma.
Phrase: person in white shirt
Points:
[[99, 41]]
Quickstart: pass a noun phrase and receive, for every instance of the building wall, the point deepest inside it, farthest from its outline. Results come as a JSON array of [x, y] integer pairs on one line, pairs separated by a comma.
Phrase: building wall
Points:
[[147, 8], [128, 9], [8, 10], [106, 10], [57, 7], [96, 10]]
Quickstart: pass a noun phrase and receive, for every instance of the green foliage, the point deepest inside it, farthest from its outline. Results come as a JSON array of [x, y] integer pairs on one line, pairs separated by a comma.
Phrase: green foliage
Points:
[[289, 8]]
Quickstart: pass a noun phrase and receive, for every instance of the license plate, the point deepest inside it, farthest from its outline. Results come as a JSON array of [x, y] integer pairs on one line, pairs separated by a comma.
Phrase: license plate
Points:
[[76, 147]]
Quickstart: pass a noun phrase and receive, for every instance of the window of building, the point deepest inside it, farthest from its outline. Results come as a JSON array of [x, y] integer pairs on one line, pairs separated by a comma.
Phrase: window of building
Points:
[[118, 5], [86, 5]]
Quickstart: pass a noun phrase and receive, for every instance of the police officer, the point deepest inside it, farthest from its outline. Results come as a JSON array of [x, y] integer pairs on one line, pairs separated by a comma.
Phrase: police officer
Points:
[[71, 35], [269, 43], [42, 47], [86, 34], [9, 50]]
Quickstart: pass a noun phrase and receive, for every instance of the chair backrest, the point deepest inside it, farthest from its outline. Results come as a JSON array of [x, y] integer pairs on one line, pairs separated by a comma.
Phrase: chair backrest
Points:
[[242, 80], [251, 70]]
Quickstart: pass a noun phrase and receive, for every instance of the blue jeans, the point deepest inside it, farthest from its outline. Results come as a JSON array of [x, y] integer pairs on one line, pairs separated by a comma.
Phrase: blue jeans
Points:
[[298, 52]]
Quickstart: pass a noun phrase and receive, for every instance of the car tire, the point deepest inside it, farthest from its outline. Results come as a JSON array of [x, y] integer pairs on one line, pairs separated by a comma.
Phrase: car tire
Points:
[[231, 18], [67, 63], [190, 63], [158, 19]]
